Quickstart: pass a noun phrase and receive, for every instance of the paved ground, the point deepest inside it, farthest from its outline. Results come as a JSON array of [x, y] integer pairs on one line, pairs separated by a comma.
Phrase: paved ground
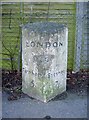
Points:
[[0, 104], [73, 106]]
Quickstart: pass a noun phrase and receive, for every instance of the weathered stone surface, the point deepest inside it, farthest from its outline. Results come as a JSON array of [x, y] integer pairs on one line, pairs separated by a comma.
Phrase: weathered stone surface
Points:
[[44, 59]]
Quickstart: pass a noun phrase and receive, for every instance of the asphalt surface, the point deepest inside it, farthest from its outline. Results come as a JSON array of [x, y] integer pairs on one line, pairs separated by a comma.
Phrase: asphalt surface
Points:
[[0, 104], [73, 106]]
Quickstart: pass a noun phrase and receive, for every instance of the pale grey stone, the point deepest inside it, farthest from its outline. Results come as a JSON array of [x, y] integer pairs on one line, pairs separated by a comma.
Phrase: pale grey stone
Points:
[[44, 59]]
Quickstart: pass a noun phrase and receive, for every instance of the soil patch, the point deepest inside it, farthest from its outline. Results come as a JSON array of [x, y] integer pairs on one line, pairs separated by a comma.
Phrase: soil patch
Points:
[[76, 83]]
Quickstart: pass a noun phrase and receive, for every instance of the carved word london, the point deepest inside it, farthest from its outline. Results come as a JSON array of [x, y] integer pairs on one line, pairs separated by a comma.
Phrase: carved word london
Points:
[[46, 44]]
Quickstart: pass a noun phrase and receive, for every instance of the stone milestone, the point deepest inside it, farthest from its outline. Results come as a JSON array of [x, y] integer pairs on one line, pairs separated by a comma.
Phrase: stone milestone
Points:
[[44, 59]]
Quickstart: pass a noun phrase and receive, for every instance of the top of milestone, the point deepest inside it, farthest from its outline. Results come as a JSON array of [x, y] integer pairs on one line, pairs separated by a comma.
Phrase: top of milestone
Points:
[[48, 27]]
